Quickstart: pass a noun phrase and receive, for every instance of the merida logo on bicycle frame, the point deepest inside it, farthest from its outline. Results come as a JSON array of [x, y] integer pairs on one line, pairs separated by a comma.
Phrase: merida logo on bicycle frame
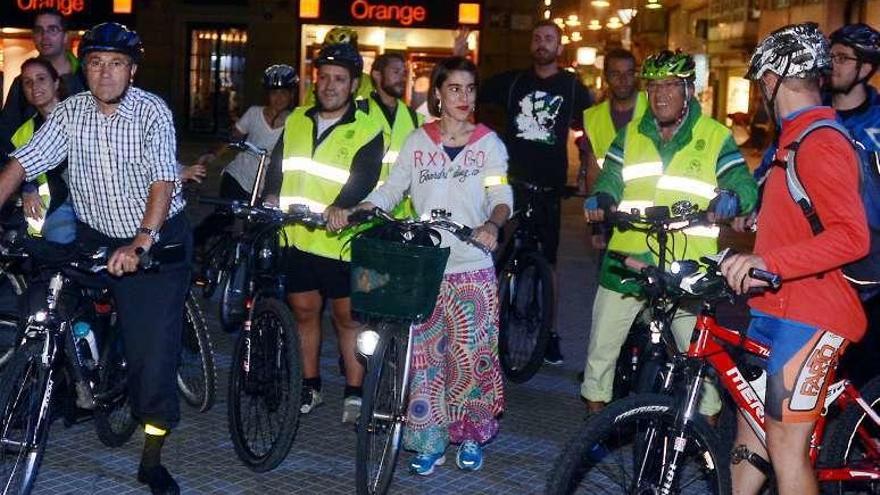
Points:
[[747, 391]]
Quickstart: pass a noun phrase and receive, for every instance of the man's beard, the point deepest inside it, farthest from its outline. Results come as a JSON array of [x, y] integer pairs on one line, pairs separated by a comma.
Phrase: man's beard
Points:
[[396, 91], [543, 57]]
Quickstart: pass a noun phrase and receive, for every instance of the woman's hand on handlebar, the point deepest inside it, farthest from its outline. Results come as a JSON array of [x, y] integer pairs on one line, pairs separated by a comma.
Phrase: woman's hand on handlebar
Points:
[[736, 269], [486, 235], [194, 173], [337, 218], [270, 201], [33, 206]]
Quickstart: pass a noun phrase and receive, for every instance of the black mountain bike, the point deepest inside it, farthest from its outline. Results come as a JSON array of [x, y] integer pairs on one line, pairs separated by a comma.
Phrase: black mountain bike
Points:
[[265, 379], [525, 293], [396, 273], [51, 370], [224, 258]]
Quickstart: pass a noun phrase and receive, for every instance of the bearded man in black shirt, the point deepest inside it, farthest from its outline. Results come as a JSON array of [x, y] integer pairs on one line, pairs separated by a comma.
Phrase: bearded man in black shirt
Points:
[[542, 103]]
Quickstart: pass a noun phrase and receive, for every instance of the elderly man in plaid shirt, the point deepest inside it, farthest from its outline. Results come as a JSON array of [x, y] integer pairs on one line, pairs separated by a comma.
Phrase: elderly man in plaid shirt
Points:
[[119, 142]]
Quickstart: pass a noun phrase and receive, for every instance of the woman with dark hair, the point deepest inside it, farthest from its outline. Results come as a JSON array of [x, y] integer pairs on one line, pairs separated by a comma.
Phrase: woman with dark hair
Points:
[[454, 164], [44, 200]]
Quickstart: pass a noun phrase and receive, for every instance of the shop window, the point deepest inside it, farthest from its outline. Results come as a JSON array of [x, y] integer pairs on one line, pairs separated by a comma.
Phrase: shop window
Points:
[[215, 90]]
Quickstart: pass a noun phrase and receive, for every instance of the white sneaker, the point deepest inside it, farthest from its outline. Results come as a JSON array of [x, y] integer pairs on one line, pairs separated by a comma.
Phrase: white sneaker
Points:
[[351, 409], [310, 399]]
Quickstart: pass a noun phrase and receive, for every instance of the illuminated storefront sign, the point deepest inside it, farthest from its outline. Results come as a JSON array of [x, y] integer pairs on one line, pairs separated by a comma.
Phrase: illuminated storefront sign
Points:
[[391, 13], [79, 13]]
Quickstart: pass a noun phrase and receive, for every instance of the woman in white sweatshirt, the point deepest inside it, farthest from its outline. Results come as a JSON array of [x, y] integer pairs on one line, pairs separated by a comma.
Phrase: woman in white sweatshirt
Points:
[[453, 164]]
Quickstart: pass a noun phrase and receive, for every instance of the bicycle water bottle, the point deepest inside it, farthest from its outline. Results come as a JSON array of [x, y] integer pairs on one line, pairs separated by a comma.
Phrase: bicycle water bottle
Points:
[[86, 346]]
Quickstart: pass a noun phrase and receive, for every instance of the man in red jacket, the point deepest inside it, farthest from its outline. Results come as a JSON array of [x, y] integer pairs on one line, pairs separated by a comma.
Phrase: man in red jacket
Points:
[[810, 319]]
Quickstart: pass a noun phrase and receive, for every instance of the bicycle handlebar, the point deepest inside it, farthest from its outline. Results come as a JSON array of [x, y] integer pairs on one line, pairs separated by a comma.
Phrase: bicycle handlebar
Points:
[[656, 222], [295, 213], [248, 147], [439, 219]]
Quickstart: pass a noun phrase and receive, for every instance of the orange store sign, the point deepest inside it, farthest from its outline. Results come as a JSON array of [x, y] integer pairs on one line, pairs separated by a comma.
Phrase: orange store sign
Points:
[[66, 7], [405, 15]]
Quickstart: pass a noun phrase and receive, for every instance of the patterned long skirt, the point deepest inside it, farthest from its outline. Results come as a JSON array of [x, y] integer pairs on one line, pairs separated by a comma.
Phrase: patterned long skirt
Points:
[[456, 391]]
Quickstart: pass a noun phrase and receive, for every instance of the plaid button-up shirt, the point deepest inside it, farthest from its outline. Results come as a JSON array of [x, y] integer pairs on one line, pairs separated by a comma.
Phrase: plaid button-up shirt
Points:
[[112, 160]]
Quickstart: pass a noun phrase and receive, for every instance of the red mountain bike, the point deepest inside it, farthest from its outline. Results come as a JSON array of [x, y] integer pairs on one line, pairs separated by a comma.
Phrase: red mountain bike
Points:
[[659, 444]]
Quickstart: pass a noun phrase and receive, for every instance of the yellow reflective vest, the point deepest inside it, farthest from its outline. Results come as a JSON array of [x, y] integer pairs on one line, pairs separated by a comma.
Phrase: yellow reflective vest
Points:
[[406, 120], [690, 175], [600, 128], [22, 135], [313, 175]]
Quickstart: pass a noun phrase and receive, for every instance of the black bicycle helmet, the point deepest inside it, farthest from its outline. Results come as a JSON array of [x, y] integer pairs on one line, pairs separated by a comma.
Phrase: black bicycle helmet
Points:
[[342, 54], [279, 76], [112, 37], [863, 39]]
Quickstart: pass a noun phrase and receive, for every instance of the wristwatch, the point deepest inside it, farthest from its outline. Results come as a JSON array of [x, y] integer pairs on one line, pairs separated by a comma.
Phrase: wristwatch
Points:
[[154, 235]]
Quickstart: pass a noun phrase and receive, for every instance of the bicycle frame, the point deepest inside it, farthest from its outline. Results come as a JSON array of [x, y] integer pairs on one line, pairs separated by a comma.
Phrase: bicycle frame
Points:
[[706, 347]]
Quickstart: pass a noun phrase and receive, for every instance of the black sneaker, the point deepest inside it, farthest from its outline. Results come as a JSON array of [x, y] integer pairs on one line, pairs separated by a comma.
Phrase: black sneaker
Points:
[[159, 480], [552, 354]]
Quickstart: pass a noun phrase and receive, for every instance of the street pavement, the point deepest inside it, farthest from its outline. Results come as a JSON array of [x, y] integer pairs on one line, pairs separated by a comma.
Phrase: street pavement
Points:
[[540, 415]]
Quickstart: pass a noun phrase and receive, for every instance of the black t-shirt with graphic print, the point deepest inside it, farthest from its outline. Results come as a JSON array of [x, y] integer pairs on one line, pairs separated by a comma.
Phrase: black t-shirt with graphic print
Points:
[[539, 114]]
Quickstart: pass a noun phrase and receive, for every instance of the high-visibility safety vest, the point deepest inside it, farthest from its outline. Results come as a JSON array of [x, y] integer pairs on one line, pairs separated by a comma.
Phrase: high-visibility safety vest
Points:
[[314, 175], [406, 120], [690, 176], [22, 135], [600, 127]]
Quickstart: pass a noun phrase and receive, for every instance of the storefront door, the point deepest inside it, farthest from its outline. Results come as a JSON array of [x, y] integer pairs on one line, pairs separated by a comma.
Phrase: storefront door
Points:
[[215, 90]]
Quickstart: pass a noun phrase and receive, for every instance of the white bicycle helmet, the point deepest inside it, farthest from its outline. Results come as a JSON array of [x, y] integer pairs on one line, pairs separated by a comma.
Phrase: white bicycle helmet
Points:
[[797, 50]]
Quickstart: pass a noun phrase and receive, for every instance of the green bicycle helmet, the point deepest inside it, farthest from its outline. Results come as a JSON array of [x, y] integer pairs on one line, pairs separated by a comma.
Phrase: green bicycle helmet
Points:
[[668, 64]]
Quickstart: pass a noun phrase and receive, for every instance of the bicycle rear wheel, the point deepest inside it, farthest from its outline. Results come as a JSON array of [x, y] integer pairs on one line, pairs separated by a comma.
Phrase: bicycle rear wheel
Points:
[[196, 376], [264, 387], [383, 412], [526, 314], [114, 423], [23, 426], [629, 446]]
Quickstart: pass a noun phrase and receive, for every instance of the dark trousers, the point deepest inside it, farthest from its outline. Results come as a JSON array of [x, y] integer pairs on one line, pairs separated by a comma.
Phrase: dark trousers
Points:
[[219, 220], [150, 307]]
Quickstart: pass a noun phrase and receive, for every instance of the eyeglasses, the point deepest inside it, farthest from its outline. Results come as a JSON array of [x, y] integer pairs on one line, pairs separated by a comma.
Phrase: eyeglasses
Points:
[[839, 58], [658, 86], [53, 30], [97, 65]]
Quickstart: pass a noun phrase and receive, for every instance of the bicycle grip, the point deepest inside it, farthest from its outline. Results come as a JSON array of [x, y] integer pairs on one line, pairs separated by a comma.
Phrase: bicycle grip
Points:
[[771, 278], [360, 216]]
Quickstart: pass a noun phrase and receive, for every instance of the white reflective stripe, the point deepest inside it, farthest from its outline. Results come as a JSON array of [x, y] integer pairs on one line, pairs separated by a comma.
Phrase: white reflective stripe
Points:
[[390, 156], [285, 201], [494, 180], [642, 170], [312, 167], [627, 206], [703, 231], [43, 190], [600, 162], [687, 185]]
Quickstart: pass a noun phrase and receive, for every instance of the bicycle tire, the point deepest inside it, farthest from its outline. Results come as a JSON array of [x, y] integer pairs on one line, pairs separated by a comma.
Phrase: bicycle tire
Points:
[[383, 411], [215, 266], [114, 423], [10, 321], [197, 375], [842, 440], [262, 387], [589, 448], [232, 299], [23, 375], [519, 361]]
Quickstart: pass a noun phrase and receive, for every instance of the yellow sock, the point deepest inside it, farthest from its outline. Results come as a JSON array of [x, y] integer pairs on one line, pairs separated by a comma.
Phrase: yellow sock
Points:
[[154, 430]]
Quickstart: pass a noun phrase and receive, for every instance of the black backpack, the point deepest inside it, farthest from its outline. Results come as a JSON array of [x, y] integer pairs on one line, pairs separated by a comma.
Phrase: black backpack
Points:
[[863, 274]]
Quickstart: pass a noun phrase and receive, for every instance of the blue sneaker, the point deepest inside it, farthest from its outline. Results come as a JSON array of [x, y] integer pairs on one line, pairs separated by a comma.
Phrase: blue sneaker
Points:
[[470, 456], [423, 464]]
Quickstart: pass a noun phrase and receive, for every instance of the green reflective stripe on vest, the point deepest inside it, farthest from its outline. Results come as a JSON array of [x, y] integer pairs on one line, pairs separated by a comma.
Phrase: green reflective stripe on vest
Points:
[[394, 138], [689, 176], [314, 176], [600, 127], [22, 135]]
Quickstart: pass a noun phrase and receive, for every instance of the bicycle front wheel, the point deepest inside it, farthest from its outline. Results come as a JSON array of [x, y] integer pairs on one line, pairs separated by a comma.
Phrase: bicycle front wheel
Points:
[[196, 376], [264, 387], [525, 295], [633, 445], [23, 426]]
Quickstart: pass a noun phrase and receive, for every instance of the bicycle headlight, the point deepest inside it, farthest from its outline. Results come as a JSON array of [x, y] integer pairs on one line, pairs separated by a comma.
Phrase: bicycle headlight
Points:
[[683, 268], [40, 316], [367, 341]]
